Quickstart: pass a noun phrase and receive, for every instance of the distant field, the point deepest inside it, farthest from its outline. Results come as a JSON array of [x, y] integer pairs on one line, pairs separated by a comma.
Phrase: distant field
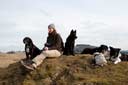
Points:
[[6, 59]]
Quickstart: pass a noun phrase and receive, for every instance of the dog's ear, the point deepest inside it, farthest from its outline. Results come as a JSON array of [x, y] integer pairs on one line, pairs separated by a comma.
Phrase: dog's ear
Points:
[[110, 47], [118, 49], [75, 31], [71, 31]]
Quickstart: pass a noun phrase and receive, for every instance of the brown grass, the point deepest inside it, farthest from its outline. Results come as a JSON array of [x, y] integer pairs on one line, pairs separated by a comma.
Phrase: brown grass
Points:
[[66, 70]]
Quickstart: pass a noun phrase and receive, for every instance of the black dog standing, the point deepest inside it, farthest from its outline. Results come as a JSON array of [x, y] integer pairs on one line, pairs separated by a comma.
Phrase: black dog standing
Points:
[[30, 49], [70, 42]]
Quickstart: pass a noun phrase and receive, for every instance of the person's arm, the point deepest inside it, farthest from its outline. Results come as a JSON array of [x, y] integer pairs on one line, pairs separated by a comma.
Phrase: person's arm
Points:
[[46, 45]]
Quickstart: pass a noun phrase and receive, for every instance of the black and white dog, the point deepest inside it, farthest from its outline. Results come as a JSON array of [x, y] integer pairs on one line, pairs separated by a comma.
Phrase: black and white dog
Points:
[[70, 42], [99, 59], [30, 49], [115, 55], [91, 51], [99, 56]]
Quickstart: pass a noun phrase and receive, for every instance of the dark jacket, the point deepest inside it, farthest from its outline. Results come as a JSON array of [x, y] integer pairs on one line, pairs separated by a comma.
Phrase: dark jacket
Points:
[[54, 42]]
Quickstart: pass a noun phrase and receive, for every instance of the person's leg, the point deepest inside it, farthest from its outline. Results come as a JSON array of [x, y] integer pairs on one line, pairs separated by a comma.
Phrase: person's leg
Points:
[[38, 60], [52, 53], [49, 53]]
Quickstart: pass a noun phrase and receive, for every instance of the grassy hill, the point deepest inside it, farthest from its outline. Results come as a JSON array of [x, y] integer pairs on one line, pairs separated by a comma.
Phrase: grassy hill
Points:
[[66, 70]]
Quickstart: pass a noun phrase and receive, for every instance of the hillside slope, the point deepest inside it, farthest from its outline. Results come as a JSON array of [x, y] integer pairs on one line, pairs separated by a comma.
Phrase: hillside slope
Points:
[[66, 70]]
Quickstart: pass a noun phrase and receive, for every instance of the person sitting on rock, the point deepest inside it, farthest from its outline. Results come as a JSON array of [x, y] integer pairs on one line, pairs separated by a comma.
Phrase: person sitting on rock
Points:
[[52, 48]]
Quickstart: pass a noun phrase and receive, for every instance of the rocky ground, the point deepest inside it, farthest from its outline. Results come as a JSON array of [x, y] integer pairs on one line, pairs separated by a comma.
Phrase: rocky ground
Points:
[[66, 70]]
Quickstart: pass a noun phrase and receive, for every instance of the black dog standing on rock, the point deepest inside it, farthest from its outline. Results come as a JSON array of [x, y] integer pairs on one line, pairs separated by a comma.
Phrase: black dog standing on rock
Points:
[[30, 49], [70, 42]]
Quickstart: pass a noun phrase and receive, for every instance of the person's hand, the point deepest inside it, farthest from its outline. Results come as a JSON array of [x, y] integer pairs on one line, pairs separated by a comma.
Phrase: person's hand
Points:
[[45, 48]]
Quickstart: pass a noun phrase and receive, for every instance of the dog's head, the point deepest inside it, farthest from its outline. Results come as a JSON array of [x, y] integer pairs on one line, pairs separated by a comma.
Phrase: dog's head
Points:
[[73, 34], [103, 48], [27, 41], [114, 52]]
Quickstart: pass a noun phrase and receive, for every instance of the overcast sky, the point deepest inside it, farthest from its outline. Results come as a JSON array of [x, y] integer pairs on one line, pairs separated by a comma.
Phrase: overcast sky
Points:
[[96, 21]]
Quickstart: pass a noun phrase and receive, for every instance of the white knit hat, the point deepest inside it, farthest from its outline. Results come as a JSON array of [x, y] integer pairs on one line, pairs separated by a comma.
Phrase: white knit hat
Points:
[[51, 26]]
